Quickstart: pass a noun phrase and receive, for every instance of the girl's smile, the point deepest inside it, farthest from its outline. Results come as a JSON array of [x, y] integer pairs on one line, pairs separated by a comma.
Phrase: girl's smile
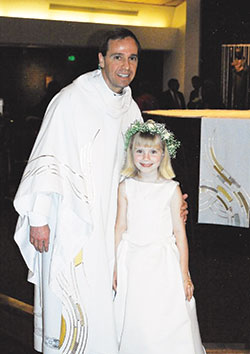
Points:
[[147, 160]]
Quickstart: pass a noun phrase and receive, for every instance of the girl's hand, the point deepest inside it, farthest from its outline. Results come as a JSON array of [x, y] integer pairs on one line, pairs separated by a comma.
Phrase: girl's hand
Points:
[[188, 288], [115, 280], [184, 206]]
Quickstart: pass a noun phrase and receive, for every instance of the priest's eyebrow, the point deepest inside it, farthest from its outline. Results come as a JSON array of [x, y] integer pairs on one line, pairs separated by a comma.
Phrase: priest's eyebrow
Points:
[[122, 54]]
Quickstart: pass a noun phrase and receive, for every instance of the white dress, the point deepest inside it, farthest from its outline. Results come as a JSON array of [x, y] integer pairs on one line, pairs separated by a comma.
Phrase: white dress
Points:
[[152, 315]]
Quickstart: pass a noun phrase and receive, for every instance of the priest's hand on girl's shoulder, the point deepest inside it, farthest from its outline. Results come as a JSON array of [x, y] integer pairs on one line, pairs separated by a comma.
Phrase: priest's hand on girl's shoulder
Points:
[[184, 207], [39, 237]]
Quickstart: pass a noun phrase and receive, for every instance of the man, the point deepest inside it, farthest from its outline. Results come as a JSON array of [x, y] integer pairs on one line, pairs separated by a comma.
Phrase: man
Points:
[[172, 98], [195, 99], [240, 80], [67, 201]]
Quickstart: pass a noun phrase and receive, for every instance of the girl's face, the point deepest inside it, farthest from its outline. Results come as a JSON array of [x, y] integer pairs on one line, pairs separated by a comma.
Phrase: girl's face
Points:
[[147, 159]]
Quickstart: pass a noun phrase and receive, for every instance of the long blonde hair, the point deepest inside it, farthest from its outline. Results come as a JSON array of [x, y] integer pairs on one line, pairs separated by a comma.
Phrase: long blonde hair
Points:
[[148, 140]]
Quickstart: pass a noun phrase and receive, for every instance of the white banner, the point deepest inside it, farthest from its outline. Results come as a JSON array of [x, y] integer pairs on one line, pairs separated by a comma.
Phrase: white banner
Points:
[[224, 191]]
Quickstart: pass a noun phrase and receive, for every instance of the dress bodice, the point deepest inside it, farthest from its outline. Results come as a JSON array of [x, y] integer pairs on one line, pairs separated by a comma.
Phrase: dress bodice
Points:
[[148, 214]]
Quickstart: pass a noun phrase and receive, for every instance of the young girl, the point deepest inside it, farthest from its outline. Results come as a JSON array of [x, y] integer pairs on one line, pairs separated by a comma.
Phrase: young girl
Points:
[[154, 305]]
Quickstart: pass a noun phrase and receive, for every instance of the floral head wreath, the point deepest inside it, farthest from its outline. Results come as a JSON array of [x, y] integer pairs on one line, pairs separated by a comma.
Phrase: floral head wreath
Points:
[[153, 128]]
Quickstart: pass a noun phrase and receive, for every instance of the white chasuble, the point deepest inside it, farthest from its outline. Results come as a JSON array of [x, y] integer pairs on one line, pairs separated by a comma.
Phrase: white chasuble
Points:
[[76, 161]]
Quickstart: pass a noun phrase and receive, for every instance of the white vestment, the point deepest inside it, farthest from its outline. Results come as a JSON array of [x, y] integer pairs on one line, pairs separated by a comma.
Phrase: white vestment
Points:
[[75, 164]]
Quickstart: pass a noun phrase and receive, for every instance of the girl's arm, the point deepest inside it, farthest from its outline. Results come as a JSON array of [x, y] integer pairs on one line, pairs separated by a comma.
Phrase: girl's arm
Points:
[[120, 224], [184, 207], [181, 241]]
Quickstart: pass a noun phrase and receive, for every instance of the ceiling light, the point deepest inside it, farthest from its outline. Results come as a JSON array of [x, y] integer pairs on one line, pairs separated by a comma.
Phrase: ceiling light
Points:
[[62, 7]]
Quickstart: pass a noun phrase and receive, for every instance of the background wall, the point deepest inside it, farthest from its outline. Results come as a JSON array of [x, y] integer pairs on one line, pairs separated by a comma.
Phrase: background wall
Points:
[[21, 31]]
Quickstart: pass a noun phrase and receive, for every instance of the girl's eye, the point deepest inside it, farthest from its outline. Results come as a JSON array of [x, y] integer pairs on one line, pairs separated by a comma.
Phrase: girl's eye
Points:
[[153, 151], [138, 151]]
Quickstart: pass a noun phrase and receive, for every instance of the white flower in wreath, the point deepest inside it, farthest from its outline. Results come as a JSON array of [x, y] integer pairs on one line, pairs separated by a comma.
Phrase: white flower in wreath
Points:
[[166, 135], [151, 126]]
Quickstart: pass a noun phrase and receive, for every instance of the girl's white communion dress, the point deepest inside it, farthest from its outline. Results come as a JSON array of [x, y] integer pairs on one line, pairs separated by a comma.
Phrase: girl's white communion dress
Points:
[[152, 314]]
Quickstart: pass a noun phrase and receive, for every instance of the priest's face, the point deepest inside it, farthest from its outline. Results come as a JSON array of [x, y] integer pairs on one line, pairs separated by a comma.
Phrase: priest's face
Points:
[[120, 63]]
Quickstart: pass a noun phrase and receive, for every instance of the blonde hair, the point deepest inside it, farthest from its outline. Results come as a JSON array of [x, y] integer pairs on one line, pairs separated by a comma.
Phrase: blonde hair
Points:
[[148, 140]]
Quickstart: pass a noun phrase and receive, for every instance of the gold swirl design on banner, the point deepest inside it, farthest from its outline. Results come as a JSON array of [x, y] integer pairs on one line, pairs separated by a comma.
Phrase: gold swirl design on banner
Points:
[[223, 194]]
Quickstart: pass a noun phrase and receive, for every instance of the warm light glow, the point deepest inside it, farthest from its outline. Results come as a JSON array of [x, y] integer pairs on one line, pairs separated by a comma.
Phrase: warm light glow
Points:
[[179, 19], [99, 10], [27, 14], [134, 14]]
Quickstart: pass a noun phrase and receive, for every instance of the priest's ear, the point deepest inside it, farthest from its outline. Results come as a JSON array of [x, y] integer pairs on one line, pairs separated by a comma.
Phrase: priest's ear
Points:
[[101, 60]]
